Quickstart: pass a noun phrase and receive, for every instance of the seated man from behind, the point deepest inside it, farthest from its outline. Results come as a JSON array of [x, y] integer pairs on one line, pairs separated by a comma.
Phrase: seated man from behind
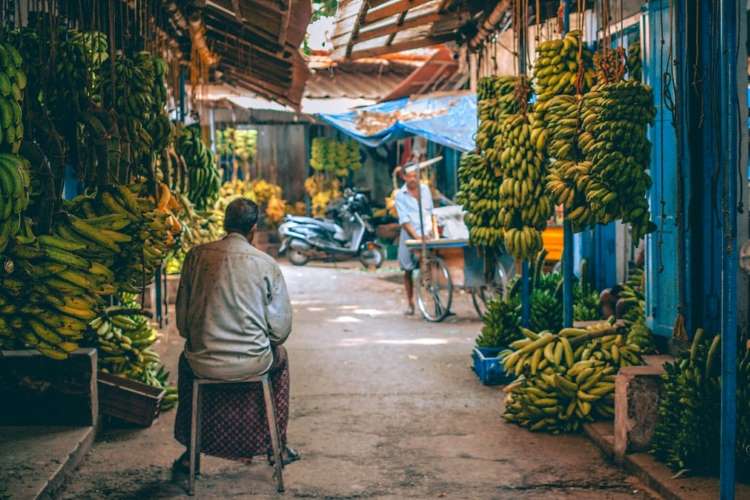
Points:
[[234, 312]]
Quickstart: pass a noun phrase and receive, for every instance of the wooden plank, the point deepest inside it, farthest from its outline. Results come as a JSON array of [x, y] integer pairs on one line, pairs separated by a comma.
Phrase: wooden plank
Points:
[[395, 28], [393, 9], [415, 43]]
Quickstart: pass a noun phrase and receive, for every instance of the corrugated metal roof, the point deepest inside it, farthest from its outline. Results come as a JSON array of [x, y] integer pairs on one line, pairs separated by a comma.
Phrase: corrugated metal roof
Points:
[[372, 79]]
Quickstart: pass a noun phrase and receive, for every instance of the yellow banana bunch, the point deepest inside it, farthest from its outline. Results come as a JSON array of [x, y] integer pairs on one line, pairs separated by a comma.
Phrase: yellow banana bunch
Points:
[[479, 198], [524, 204], [338, 157], [322, 192], [54, 284], [557, 70], [565, 379]]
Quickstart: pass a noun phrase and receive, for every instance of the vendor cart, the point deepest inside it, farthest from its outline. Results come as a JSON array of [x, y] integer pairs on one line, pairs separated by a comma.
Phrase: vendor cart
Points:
[[446, 264]]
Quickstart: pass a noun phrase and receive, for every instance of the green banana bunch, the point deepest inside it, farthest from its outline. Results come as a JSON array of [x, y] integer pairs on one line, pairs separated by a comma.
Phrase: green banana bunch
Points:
[[614, 117], [496, 100], [479, 174], [557, 71], [124, 339], [128, 88], [502, 322], [204, 177], [478, 196], [633, 62], [160, 126], [524, 204], [545, 310], [12, 84], [687, 430], [15, 185], [564, 379], [633, 297]]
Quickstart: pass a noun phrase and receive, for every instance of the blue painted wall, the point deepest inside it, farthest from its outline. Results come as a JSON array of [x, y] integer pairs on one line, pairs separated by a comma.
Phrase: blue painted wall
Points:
[[661, 246]]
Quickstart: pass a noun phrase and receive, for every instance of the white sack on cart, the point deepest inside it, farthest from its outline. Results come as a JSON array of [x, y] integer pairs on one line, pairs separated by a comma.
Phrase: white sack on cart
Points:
[[451, 219]]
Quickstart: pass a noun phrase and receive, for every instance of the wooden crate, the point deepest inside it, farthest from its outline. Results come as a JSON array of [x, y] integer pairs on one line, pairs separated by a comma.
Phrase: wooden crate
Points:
[[128, 400]]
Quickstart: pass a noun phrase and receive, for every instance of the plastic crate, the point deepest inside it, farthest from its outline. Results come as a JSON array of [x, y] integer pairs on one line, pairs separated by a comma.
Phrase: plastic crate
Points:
[[488, 367], [128, 400]]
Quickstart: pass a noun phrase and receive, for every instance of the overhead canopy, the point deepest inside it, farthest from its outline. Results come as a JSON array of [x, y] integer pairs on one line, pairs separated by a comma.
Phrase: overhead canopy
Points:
[[444, 118], [368, 28], [255, 44]]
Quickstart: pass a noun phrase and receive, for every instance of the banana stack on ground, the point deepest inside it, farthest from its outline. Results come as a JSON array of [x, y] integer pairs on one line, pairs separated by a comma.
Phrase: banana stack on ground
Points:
[[502, 323], [12, 83], [614, 142], [687, 431], [557, 71], [565, 379], [124, 338], [204, 177], [633, 300], [524, 203], [479, 197], [15, 185]]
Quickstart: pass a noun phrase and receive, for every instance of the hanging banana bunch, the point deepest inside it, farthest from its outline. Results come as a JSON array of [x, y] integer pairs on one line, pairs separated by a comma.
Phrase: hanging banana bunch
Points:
[[128, 89], [12, 84], [14, 196], [615, 117], [563, 71], [524, 203], [204, 177], [479, 172]]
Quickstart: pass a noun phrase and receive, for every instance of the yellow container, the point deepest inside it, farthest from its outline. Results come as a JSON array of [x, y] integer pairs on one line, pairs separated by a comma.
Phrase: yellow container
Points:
[[552, 238]]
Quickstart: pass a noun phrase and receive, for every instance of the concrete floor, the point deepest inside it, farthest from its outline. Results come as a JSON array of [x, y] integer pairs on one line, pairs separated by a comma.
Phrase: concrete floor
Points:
[[383, 406]]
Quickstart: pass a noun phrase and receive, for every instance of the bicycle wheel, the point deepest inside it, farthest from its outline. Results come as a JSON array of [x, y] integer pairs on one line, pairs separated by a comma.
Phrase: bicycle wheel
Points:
[[482, 295], [434, 290]]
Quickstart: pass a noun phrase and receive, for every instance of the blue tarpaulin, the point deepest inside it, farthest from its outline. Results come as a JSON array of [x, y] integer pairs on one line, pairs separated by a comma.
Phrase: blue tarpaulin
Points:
[[447, 119]]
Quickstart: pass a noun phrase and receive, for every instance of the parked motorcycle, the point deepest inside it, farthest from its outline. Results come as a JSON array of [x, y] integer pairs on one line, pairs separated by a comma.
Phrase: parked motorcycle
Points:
[[345, 233]]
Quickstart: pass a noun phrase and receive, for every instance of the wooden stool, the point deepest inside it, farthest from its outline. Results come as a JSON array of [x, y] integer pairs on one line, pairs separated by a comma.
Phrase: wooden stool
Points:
[[195, 428]]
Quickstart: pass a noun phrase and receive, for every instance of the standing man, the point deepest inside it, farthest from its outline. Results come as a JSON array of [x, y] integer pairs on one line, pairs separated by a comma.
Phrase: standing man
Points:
[[407, 206], [234, 312]]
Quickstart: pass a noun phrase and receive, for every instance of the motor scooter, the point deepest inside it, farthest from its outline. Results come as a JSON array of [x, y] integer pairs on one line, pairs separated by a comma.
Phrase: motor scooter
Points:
[[345, 233]]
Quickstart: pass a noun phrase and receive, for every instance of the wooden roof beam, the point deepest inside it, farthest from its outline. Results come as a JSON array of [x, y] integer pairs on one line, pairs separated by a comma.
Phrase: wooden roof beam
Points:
[[393, 9], [355, 31], [415, 43]]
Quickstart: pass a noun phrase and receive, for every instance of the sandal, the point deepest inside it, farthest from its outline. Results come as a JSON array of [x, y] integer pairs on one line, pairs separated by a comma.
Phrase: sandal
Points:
[[182, 464], [409, 311], [289, 455]]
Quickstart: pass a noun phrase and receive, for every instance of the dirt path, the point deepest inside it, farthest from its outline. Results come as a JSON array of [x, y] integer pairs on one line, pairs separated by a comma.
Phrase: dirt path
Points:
[[382, 407]]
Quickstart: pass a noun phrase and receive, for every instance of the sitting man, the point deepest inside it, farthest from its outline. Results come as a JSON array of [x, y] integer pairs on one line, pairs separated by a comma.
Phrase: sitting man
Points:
[[234, 312]]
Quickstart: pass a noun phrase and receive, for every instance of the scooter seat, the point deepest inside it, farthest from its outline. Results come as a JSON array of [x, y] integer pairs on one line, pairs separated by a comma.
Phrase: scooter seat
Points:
[[327, 226]]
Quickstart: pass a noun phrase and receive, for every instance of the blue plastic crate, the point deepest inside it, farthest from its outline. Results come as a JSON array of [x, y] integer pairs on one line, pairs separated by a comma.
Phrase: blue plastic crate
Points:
[[488, 367]]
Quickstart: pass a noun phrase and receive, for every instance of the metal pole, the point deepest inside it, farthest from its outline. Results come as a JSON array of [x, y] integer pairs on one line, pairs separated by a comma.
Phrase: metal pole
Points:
[[567, 266], [182, 95], [729, 266], [525, 285]]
